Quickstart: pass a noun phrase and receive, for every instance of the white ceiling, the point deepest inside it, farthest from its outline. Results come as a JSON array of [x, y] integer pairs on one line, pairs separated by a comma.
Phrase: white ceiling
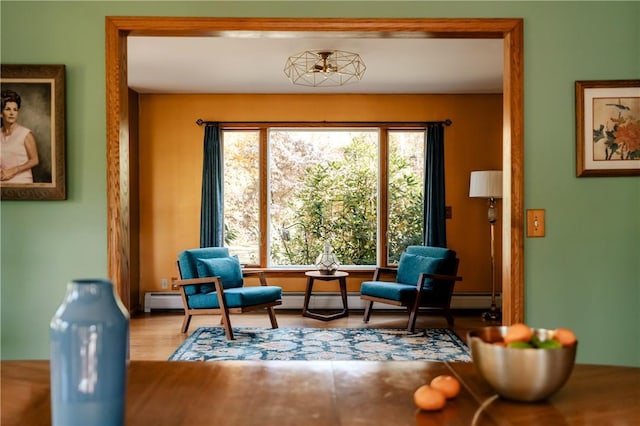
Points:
[[254, 63]]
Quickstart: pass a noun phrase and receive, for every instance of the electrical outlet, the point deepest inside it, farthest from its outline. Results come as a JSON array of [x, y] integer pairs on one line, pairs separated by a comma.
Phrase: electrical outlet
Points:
[[163, 283], [535, 223]]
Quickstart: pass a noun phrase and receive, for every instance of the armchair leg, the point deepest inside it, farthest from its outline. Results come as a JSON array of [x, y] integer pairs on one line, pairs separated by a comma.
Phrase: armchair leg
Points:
[[226, 323], [272, 317], [367, 311], [449, 318], [413, 316], [185, 322], [412, 323], [224, 311]]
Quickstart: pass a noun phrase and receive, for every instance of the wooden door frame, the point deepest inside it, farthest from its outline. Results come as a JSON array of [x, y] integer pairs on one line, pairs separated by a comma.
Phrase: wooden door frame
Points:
[[120, 166]]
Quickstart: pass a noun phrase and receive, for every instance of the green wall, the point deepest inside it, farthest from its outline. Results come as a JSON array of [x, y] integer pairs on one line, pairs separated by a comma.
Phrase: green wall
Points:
[[585, 274]]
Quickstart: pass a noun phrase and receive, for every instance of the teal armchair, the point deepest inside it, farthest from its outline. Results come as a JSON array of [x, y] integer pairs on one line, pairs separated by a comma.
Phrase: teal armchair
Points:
[[423, 282], [212, 283]]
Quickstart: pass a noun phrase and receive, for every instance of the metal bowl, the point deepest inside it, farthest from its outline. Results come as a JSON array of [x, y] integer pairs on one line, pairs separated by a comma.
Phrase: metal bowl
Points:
[[529, 374]]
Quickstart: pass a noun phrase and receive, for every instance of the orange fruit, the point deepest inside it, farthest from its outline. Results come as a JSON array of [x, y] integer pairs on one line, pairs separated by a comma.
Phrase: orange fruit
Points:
[[429, 399], [518, 333], [448, 385], [565, 336]]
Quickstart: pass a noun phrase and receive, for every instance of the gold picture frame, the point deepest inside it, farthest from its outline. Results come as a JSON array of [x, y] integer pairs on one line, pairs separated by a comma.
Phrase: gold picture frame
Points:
[[607, 128], [40, 90]]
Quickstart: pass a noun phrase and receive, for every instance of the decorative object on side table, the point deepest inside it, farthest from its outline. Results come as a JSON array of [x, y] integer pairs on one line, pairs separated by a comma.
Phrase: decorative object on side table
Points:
[[488, 184], [608, 128], [89, 355], [327, 262]]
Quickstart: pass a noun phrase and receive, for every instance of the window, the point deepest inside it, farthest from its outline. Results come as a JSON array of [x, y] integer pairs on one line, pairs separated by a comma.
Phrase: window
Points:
[[343, 185], [323, 186], [405, 192], [242, 194]]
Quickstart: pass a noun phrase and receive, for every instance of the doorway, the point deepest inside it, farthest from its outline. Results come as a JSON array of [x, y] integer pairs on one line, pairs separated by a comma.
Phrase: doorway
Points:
[[121, 167]]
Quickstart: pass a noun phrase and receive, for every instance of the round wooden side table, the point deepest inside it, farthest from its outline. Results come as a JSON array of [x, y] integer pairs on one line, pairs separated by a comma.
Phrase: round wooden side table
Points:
[[315, 275]]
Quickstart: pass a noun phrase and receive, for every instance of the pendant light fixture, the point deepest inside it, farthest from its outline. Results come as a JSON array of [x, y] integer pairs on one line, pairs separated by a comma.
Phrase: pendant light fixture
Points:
[[324, 68]]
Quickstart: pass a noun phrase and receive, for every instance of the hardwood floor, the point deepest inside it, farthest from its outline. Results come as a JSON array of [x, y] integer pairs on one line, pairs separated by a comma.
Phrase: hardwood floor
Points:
[[155, 336]]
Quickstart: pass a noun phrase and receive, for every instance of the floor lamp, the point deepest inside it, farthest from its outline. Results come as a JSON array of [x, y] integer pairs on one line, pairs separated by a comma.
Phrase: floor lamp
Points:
[[488, 184]]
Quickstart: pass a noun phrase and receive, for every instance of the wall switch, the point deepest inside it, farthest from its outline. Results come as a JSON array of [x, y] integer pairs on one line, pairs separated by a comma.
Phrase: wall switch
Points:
[[535, 223], [448, 212], [163, 283]]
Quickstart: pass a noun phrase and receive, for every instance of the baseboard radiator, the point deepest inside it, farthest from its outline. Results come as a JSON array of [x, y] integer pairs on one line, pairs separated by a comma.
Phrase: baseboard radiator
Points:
[[158, 300]]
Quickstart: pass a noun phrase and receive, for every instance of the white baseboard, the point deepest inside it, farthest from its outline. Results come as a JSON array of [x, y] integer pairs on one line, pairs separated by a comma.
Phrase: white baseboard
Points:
[[162, 300], [171, 300]]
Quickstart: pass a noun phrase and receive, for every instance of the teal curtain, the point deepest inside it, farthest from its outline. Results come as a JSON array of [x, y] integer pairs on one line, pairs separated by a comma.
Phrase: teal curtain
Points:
[[212, 206], [434, 229]]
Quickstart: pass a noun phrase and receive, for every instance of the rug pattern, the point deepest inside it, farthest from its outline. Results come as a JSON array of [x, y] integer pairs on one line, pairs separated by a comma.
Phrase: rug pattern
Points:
[[335, 344]]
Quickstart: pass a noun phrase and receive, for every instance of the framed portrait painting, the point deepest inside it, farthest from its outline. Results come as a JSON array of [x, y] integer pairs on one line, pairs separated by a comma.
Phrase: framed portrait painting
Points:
[[32, 144], [608, 128]]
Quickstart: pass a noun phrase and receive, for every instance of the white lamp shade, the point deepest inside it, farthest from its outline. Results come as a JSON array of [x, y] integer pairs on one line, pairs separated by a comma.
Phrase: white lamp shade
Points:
[[486, 184]]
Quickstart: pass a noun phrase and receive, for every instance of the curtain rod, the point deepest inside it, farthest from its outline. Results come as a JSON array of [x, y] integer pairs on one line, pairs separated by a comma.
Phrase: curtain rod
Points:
[[446, 122]]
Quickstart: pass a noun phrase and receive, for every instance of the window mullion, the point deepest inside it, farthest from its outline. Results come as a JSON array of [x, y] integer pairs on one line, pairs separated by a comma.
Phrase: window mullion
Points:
[[383, 202], [264, 198]]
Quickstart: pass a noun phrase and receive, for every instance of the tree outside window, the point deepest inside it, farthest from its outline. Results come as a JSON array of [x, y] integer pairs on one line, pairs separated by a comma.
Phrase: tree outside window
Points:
[[323, 186]]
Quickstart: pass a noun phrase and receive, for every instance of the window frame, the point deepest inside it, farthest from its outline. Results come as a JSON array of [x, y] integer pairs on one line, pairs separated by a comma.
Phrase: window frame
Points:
[[383, 180]]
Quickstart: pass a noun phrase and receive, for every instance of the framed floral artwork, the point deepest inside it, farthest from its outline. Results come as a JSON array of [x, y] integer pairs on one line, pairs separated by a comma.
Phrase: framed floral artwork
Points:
[[608, 128], [32, 138]]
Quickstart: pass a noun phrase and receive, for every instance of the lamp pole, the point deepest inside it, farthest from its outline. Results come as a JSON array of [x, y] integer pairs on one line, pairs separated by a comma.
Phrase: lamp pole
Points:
[[493, 314]]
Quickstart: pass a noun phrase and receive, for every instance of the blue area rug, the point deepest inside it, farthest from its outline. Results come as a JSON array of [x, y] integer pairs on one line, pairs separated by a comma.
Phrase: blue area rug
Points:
[[335, 344]]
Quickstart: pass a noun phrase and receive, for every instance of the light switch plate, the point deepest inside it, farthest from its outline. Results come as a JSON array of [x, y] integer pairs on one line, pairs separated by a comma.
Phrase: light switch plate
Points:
[[535, 223]]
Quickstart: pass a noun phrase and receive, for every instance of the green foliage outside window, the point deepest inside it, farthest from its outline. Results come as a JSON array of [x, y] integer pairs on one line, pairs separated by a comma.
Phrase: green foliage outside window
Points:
[[322, 192], [405, 207], [337, 203]]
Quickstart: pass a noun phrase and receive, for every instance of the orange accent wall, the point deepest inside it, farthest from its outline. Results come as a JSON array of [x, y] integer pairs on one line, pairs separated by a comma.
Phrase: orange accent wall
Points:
[[171, 165]]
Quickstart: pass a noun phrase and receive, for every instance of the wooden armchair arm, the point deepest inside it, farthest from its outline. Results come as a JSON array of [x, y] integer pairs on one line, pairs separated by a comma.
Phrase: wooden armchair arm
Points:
[[175, 283], [446, 278], [384, 269], [253, 272], [443, 277], [180, 284]]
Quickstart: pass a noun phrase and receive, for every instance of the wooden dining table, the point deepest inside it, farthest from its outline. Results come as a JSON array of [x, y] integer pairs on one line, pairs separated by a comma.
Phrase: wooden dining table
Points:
[[327, 393]]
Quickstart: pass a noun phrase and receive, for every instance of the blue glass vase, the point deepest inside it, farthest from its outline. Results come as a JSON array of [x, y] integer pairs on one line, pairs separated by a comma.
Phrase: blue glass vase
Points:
[[89, 355]]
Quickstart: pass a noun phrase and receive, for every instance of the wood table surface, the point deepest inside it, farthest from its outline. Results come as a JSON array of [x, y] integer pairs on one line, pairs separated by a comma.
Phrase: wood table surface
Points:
[[327, 393]]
